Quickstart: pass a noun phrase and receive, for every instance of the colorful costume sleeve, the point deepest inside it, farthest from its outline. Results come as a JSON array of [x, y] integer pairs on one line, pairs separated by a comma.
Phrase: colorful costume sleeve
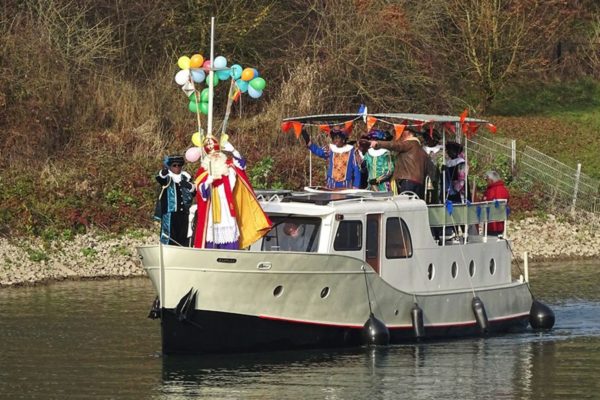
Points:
[[253, 223], [318, 151]]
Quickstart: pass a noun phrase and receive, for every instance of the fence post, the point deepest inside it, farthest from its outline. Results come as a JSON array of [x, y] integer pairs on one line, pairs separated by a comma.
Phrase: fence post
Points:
[[576, 189], [513, 156]]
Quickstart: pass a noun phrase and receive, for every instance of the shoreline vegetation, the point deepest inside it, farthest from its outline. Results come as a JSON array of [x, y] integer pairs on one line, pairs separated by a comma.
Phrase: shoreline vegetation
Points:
[[95, 255]]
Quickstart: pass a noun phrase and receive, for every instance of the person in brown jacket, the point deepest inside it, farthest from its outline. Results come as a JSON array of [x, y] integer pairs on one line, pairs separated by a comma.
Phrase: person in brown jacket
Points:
[[411, 162]]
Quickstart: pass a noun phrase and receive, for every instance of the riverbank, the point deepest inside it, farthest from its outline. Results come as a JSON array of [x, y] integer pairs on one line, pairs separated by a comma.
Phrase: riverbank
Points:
[[97, 256]]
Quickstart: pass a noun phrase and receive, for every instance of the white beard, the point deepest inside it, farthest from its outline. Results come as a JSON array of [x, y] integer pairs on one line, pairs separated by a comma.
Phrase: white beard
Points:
[[216, 164]]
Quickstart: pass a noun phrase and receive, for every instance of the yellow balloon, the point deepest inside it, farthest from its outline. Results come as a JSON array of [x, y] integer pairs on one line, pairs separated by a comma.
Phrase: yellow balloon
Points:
[[224, 139], [184, 62], [197, 139]]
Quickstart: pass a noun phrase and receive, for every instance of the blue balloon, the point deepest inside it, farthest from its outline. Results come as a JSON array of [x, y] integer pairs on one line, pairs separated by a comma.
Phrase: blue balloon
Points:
[[256, 75], [255, 94], [242, 85], [220, 62], [236, 71], [198, 75], [223, 75]]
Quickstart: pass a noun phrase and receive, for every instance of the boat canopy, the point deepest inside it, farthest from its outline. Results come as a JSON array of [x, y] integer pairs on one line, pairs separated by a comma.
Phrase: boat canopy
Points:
[[424, 118]]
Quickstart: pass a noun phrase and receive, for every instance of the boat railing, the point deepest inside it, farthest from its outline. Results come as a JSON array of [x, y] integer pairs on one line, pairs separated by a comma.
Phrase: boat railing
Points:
[[467, 214]]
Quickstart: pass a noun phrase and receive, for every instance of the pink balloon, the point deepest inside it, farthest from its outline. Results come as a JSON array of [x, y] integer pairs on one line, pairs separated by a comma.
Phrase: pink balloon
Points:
[[206, 65], [193, 154]]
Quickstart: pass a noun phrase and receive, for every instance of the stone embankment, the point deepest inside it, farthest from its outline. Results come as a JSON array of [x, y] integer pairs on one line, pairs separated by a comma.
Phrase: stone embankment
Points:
[[94, 255]]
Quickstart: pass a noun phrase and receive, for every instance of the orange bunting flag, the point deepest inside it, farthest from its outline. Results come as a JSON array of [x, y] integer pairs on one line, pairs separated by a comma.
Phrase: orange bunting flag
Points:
[[286, 126], [491, 127], [348, 127], [370, 122], [450, 126], [325, 128], [464, 115], [398, 128], [473, 126], [297, 128]]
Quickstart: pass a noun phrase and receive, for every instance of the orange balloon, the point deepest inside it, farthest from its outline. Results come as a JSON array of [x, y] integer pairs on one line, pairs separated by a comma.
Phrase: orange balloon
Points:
[[196, 61], [247, 74]]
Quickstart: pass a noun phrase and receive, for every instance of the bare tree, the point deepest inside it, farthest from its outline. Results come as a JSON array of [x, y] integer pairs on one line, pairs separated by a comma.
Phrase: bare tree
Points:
[[493, 41]]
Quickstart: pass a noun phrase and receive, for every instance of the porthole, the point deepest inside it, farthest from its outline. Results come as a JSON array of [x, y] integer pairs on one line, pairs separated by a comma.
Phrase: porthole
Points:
[[472, 268], [278, 291], [454, 269], [430, 272], [324, 292], [492, 266]]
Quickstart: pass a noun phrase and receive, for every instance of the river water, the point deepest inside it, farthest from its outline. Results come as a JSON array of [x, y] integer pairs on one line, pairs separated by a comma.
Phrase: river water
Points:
[[92, 340]]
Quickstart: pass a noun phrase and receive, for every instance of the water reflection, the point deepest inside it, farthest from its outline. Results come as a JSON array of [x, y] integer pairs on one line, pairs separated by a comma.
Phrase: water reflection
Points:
[[92, 340]]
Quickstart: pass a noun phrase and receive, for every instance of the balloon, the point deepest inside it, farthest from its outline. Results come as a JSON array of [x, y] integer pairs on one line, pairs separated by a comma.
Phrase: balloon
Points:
[[255, 94], [220, 62], [215, 80], [196, 61], [247, 74], [223, 74], [204, 108], [197, 139], [256, 75], [183, 62], [194, 107], [193, 98], [258, 83], [182, 77], [242, 85], [204, 95], [198, 75], [236, 71], [206, 65], [193, 154]]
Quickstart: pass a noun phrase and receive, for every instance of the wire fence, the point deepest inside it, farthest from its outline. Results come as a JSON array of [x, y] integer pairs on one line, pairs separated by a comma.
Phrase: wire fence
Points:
[[564, 185]]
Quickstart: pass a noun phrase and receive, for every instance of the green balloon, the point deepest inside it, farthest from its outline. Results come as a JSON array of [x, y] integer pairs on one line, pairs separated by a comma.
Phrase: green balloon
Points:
[[204, 108], [258, 83], [204, 95], [193, 99], [215, 79], [194, 107]]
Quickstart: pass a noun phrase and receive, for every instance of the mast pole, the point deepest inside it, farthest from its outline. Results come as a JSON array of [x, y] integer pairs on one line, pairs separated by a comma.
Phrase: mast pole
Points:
[[211, 75]]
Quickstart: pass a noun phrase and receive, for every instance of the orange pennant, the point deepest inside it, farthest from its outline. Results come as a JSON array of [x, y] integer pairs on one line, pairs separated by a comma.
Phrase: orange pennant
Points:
[[297, 128], [491, 127], [286, 126], [398, 128], [370, 122], [464, 115], [348, 127], [325, 128]]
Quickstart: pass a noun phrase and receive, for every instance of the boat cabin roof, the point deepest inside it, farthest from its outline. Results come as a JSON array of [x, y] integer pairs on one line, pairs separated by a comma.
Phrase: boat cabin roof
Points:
[[317, 203]]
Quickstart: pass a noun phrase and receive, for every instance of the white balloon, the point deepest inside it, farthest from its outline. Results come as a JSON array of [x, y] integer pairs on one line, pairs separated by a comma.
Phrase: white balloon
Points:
[[182, 77], [220, 62]]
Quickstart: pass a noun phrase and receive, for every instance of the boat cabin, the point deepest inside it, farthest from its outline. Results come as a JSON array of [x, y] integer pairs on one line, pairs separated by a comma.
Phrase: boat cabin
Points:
[[388, 232]]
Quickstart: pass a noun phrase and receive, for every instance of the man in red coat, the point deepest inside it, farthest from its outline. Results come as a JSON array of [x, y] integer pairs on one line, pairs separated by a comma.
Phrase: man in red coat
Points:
[[495, 191]]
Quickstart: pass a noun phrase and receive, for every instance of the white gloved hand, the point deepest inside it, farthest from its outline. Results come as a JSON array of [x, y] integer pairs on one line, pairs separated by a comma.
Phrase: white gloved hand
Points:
[[228, 147], [209, 180]]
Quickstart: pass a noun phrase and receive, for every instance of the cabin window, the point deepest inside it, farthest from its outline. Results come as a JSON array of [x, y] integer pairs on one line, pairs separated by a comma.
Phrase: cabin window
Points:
[[292, 234], [348, 236], [398, 243]]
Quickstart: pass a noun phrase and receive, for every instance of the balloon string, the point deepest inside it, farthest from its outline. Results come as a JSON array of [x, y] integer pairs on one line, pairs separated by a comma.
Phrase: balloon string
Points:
[[197, 97], [229, 103]]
